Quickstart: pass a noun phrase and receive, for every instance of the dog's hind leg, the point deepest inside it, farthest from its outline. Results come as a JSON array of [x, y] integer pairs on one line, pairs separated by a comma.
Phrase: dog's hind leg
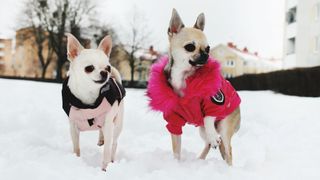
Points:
[[118, 122], [101, 139], [74, 131], [206, 149], [227, 127], [225, 148], [176, 146]]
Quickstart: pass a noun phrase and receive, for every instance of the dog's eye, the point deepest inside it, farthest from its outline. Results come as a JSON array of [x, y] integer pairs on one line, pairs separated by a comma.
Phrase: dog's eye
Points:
[[108, 68], [89, 69], [190, 47], [207, 49]]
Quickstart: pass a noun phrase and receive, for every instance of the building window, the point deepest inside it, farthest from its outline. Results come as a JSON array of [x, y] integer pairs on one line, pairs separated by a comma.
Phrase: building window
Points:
[[227, 75], [316, 47], [291, 45], [317, 12], [230, 63], [292, 15]]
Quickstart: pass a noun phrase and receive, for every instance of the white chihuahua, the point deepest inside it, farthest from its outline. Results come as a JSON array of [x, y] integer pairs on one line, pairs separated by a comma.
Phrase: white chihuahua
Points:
[[93, 96]]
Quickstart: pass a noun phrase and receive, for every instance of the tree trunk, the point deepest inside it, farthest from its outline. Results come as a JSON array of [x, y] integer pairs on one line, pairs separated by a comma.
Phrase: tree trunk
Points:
[[44, 70], [60, 64], [132, 69]]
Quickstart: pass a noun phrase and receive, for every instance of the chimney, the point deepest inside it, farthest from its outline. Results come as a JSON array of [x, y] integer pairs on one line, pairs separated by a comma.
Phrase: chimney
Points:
[[151, 49], [231, 45], [245, 49]]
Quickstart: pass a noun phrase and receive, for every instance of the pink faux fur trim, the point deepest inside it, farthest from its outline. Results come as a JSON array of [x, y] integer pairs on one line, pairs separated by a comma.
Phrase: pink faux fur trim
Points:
[[204, 83]]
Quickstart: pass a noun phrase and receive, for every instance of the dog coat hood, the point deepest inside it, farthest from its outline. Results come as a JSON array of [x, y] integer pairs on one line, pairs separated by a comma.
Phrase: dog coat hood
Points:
[[207, 93], [91, 117]]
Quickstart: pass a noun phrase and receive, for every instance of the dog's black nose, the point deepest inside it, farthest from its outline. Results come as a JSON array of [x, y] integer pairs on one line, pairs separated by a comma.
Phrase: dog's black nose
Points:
[[104, 74], [201, 60]]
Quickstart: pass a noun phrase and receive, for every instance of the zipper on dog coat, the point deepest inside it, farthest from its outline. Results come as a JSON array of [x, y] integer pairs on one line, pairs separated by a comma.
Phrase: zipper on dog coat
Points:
[[91, 117]]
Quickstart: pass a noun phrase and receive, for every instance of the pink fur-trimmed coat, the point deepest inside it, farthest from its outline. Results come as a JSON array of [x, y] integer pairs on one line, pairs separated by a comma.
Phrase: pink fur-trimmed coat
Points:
[[207, 94]]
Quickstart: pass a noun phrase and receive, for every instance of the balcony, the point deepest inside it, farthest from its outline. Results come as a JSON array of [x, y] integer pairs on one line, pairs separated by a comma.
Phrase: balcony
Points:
[[291, 30]]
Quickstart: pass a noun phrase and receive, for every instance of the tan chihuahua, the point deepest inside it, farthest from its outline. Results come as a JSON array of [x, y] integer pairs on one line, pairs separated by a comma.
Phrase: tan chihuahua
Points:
[[188, 54]]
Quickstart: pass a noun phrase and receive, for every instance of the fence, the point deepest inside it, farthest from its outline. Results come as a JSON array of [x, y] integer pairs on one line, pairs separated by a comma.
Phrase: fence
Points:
[[127, 84], [299, 82]]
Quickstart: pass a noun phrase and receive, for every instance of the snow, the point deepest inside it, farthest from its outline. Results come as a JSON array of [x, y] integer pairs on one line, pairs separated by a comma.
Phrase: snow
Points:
[[279, 139]]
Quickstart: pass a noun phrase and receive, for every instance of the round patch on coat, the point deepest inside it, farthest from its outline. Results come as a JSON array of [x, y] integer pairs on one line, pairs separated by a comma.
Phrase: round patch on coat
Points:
[[218, 98]]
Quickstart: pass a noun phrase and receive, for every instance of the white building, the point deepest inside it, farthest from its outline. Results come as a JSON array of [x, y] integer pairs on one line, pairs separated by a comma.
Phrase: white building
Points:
[[302, 33]]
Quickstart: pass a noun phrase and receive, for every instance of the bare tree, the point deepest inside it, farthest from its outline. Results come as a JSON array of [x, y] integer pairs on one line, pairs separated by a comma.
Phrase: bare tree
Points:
[[138, 38], [38, 35], [55, 18], [100, 31]]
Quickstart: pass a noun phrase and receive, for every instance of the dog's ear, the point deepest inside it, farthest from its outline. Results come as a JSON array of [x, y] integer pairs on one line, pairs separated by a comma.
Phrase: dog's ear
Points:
[[200, 22], [106, 45], [73, 47], [176, 23]]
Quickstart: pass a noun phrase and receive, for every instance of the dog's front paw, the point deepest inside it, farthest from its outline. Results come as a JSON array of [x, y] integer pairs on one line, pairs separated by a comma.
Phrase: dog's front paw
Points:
[[100, 142], [104, 166], [177, 156], [214, 140], [77, 152]]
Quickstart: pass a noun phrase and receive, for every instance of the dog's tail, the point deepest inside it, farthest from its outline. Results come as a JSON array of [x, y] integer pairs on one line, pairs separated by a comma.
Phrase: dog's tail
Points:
[[115, 74]]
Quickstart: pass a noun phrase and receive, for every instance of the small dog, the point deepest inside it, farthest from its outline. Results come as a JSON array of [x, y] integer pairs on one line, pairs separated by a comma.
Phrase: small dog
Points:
[[93, 96], [188, 87]]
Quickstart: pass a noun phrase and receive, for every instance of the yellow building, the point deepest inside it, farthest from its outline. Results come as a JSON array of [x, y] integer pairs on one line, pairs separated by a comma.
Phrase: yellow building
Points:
[[236, 62], [6, 57], [231, 63]]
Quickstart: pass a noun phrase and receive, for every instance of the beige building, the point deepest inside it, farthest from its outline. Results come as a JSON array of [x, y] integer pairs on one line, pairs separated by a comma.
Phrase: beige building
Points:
[[26, 61], [144, 59], [231, 62], [6, 57], [236, 62], [302, 33]]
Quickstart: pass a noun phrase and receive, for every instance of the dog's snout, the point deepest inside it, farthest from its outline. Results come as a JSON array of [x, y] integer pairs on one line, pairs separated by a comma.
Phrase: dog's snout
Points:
[[203, 56], [201, 59], [104, 74], [203, 52]]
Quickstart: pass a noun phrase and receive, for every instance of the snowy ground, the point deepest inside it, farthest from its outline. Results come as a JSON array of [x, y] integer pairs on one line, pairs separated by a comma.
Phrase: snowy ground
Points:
[[279, 139]]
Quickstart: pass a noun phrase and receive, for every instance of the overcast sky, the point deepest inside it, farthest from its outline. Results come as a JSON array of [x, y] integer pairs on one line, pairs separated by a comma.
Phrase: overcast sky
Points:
[[257, 24]]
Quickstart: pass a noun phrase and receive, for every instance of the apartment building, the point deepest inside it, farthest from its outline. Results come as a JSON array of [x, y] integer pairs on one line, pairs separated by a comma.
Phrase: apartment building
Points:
[[302, 33]]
